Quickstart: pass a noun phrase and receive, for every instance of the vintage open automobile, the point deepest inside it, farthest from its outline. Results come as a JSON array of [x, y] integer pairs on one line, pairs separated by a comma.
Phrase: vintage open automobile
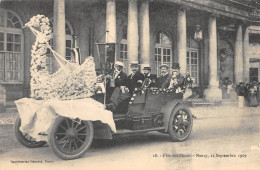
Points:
[[148, 110]]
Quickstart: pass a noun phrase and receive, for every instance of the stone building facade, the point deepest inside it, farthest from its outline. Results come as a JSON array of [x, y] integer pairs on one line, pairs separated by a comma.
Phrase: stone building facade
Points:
[[153, 32]]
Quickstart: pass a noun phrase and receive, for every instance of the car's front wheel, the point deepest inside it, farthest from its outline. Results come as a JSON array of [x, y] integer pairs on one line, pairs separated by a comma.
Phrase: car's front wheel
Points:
[[70, 139], [180, 123]]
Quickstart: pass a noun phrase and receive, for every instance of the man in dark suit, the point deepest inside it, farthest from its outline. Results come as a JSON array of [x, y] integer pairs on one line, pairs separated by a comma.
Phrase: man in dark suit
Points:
[[135, 79], [176, 80], [117, 79], [164, 76], [150, 80], [119, 76]]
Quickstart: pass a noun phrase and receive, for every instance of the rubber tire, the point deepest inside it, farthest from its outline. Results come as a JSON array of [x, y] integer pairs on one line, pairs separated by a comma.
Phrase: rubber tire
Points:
[[20, 137], [170, 125], [52, 144]]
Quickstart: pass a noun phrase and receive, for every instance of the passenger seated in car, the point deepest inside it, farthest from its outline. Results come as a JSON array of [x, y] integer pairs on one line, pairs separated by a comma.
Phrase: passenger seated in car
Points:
[[176, 80], [164, 75], [117, 79], [150, 80], [133, 81]]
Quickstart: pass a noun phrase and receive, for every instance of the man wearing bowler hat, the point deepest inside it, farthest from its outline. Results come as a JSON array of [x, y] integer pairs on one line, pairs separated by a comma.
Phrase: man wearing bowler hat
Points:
[[150, 80], [164, 75], [176, 80]]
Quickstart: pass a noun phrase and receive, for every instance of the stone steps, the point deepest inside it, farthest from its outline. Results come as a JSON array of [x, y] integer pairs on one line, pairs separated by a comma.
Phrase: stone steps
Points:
[[198, 102]]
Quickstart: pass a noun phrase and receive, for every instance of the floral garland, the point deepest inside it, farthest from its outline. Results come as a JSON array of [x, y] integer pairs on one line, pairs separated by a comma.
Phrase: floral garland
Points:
[[187, 83], [67, 83], [153, 90]]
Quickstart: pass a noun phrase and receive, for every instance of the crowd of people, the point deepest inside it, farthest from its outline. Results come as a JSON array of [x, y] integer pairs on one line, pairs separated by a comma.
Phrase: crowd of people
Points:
[[250, 91], [121, 87]]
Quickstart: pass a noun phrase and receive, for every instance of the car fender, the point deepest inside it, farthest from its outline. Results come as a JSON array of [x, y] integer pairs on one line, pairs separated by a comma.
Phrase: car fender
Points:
[[102, 131], [167, 110]]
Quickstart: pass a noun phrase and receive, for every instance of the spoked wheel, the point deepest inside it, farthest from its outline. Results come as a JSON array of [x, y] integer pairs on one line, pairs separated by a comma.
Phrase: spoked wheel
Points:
[[70, 139], [180, 123], [24, 138]]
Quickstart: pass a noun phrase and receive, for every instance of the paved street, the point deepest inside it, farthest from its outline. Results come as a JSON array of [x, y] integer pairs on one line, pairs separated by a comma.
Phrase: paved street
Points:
[[222, 138]]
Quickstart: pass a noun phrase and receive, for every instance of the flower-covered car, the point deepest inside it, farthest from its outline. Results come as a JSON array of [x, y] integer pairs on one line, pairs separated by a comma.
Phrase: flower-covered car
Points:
[[150, 110], [64, 110]]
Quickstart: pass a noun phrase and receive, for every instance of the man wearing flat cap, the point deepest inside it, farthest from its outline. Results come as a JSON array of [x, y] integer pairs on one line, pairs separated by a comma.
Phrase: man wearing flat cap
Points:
[[135, 79], [176, 80], [150, 80], [164, 75]]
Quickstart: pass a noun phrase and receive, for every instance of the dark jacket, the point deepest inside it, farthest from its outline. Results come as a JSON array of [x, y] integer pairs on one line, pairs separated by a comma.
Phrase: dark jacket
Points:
[[161, 80], [121, 79], [180, 80], [150, 80], [131, 83]]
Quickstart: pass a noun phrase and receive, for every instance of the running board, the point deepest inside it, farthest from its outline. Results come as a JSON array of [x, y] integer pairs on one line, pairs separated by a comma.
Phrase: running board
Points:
[[127, 131]]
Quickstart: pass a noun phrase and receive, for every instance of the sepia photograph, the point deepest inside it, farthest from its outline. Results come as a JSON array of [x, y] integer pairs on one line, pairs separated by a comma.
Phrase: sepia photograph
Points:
[[130, 84]]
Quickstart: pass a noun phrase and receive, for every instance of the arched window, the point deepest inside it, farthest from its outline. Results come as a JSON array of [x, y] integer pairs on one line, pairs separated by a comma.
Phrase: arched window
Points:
[[123, 49], [11, 47], [163, 51], [69, 45]]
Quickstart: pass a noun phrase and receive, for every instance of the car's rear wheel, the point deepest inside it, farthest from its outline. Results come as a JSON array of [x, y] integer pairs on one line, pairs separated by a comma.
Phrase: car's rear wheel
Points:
[[24, 138], [70, 139], [180, 123]]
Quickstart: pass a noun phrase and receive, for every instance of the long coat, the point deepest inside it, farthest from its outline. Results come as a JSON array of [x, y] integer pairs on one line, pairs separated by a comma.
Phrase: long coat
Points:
[[131, 82]]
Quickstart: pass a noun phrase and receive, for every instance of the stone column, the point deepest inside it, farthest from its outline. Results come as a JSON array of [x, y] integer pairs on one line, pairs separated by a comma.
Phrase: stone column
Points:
[[246, 55], [132, 33], [213, 93], [238, 59], [84, 37], [59, 30], [181, 40], [144, 33], [111, 21]]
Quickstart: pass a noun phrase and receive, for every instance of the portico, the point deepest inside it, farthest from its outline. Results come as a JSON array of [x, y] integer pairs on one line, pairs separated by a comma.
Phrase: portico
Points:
[[154, 32]]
